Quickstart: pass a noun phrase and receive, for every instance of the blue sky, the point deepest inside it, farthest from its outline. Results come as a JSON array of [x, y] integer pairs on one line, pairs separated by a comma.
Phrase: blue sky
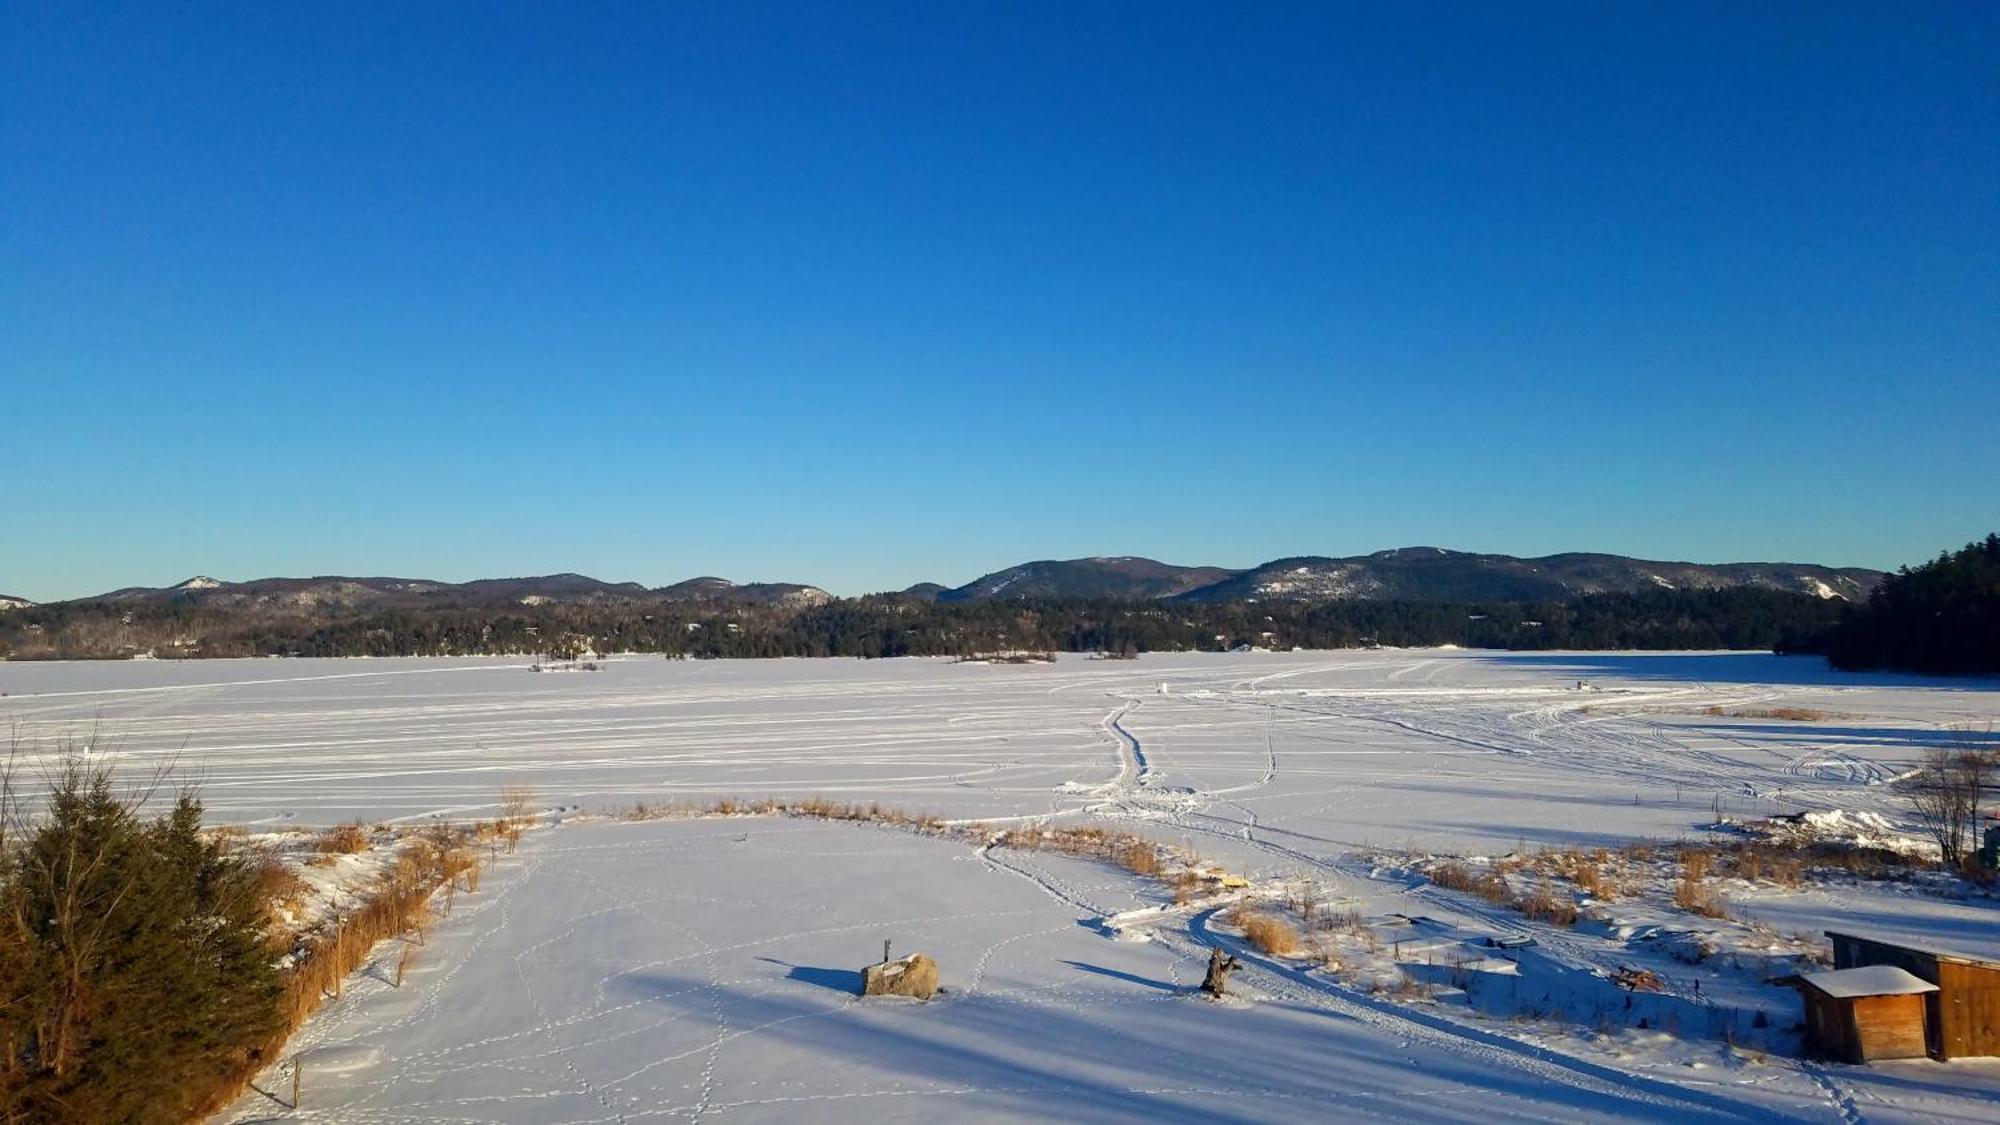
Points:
[[865, 294]]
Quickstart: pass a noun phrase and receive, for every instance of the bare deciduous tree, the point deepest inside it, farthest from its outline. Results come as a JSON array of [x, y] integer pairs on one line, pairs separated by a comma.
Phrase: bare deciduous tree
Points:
[[1946, 790]]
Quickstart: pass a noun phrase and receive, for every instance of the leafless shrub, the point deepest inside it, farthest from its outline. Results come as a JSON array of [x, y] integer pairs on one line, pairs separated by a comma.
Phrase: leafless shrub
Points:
[[517, 804], [1944, 794]]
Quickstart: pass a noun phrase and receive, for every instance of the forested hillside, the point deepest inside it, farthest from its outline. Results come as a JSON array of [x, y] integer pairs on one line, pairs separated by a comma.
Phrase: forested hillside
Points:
[[904, 625], [1942, 617]]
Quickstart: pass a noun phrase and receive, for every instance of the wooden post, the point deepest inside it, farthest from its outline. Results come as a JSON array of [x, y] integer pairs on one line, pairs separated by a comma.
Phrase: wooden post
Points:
[[885, 951], [297, 1066]]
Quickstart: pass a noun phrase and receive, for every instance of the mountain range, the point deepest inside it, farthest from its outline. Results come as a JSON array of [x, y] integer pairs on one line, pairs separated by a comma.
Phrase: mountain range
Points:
[[339, 593], [1407, 573], [1411, 574]]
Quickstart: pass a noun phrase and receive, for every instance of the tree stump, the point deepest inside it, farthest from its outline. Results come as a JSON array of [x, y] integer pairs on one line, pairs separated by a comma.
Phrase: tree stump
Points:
[[1219, 968]]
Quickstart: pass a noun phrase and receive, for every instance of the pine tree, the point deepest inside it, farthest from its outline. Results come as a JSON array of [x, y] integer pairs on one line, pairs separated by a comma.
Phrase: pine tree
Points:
[[137, 965]]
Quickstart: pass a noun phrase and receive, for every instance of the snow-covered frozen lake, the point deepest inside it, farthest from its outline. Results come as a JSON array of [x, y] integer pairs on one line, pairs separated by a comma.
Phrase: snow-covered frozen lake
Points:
[[1308, 752], [694, 968]]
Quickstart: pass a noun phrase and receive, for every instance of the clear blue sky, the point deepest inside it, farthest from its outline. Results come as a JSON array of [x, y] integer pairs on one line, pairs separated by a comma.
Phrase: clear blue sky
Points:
[[863, 294]]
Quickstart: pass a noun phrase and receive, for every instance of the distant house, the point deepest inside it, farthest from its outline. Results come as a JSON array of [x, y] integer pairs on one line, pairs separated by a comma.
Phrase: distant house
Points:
[[1962, 1017], [1860, 1015]]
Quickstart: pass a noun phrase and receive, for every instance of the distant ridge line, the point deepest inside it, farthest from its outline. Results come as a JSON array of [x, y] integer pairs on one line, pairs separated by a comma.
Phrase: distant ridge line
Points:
[[1403, 573]]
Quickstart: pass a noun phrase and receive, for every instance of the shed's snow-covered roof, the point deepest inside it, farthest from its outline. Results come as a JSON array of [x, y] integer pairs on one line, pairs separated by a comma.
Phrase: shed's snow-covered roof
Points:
[[1869, 980]]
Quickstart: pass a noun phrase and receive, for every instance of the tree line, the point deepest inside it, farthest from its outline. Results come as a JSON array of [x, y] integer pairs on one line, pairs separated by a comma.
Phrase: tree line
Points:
[[897, 625], [1940, 618]]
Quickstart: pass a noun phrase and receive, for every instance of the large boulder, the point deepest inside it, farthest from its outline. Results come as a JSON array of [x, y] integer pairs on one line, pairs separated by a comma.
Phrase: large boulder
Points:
[[915, 975]]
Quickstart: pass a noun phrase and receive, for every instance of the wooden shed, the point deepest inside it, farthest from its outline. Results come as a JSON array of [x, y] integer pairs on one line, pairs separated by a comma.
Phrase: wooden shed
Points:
[[1962, 1018], [1860, 1015]]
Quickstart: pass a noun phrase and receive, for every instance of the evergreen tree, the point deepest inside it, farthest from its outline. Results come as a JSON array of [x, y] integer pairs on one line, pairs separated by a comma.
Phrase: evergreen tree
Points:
[[137, 965], [1940, 618]]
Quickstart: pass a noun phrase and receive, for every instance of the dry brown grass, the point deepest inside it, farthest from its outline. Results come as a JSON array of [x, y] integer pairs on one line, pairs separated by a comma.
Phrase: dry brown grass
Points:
[[1793, 714], [1789, 714], [1693, 893], [1591, 871], [1542, 902], [1544, 905], [1696, 863], [343, 839], [1269, 932], [282, 889], [1454, 876], [1591, 877], [1137, 856], [1697, 898], [1761, 863]]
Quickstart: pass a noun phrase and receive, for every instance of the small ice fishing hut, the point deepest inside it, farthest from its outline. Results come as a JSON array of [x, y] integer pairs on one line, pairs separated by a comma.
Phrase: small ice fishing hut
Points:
[[1860, 1015], [1962, 1011]]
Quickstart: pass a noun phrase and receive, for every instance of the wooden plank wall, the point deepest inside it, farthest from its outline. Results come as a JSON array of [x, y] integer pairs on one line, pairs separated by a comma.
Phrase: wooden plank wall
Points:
[[1968, 1010], [1890, 1027]]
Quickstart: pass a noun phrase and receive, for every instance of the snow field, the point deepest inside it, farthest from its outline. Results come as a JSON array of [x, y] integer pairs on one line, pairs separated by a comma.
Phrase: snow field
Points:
[[687, 969], [610, 971]]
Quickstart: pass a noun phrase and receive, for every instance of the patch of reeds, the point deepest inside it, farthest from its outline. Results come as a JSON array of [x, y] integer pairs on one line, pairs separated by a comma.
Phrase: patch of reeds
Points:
[[1268, 932], [343, 839]]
